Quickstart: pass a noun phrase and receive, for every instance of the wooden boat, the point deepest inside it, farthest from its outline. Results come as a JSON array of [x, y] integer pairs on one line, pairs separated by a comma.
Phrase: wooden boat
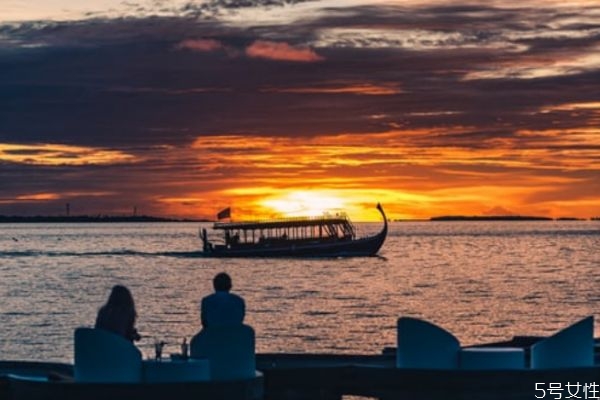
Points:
[[328, 236]]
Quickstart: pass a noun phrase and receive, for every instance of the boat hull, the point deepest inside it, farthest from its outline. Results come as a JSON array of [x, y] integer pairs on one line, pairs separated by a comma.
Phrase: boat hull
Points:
[[349, 248]]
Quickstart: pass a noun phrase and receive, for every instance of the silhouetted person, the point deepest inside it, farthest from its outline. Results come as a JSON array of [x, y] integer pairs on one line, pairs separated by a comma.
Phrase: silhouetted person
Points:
[[222, 307], [118, 314]]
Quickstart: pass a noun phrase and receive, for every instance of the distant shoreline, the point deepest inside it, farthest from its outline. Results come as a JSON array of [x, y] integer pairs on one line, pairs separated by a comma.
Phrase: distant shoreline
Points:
[[509, 218], [90, 218], [501, 218]]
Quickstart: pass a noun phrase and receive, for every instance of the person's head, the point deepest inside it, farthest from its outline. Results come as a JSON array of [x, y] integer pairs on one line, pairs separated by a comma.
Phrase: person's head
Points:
[[222, 282], [120, 296]]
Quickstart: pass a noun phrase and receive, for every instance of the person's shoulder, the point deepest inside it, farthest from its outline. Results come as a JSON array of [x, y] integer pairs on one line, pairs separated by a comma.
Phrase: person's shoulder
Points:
[[237, 297], [207, 297]]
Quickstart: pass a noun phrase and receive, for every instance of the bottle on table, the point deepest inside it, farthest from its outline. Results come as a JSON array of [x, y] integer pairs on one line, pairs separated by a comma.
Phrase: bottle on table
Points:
[[184, 349], [158, 348]]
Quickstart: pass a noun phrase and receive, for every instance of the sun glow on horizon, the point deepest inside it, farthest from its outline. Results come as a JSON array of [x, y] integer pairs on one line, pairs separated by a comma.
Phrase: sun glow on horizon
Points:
[[305, 203]]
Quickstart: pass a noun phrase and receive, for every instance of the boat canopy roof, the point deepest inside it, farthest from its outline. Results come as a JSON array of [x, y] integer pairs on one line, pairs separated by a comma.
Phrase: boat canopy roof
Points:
[[283, 223]]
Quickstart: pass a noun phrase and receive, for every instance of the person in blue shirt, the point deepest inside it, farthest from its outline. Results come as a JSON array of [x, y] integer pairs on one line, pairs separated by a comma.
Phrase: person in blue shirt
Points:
[[222, 307]]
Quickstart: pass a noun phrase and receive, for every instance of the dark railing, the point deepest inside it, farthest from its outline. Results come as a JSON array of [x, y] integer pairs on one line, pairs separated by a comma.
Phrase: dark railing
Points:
[[289, 221]]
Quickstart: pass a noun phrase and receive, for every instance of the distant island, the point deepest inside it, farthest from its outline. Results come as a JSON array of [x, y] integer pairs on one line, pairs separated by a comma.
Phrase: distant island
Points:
[[489, 218], [505, 218], [91, 218]]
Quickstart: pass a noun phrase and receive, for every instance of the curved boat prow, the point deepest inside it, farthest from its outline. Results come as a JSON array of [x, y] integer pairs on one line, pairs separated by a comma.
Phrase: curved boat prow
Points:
[[378, 239], [385, 221], [380, 208]]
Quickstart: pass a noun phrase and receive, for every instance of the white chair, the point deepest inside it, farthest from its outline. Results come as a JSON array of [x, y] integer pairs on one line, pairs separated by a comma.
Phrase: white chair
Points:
[[102, 356], [570, 347], [422, 344], [229, 350]]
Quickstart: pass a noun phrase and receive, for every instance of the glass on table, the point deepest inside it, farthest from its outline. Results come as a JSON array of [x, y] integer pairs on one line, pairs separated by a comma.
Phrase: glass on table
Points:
[[158, 348]]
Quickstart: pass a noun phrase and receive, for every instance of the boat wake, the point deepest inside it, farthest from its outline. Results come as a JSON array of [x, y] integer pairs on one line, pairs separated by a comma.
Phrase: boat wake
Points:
[[134, 253]]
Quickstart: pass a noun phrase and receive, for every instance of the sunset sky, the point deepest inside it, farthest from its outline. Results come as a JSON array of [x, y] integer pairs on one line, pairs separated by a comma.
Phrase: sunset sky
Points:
[[181, 108]]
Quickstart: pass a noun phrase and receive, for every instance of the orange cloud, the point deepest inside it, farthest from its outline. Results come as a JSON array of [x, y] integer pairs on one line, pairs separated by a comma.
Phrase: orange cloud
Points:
[[403, 147], [406, 171], [31, 197], [363, 89], [281, 51], [415, 173], [202, 45], [38, 197], [593, 106], [60, 154]]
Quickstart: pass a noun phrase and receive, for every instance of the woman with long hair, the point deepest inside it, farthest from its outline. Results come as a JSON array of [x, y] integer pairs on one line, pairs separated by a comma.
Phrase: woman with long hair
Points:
[[118, 314]]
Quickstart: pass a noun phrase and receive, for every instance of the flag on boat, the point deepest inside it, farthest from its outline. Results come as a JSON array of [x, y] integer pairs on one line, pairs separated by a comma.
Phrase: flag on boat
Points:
[[226, 213]]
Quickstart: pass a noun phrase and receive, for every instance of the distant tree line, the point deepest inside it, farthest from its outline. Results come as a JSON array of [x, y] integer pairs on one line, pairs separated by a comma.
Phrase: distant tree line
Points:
[[90, 218]]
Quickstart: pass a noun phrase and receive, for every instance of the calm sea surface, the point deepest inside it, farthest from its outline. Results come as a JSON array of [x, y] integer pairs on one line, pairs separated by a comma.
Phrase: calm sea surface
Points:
[[483, 281]]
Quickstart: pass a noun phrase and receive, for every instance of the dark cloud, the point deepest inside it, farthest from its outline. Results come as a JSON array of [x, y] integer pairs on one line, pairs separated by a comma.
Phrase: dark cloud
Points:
[[214, 8], [114, 82]]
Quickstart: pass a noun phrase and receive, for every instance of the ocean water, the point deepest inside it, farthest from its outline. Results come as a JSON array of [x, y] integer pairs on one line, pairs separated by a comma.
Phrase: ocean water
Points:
[[483, 281]]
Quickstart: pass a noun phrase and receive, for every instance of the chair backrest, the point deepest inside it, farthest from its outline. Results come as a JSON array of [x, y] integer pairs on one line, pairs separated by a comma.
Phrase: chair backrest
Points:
[[572, 346], [229, 349], [422, 344], [103, 356]]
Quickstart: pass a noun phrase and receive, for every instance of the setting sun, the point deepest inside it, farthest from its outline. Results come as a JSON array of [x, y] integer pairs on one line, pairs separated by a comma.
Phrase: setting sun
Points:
[[304, 203]]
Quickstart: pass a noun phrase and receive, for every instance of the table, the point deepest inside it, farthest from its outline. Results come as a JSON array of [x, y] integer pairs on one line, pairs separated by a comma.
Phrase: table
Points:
[[492, 358], [191, 370]]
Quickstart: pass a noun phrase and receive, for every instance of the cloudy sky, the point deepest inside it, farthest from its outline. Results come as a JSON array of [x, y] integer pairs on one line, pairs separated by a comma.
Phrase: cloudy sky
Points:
[[183, 107]]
